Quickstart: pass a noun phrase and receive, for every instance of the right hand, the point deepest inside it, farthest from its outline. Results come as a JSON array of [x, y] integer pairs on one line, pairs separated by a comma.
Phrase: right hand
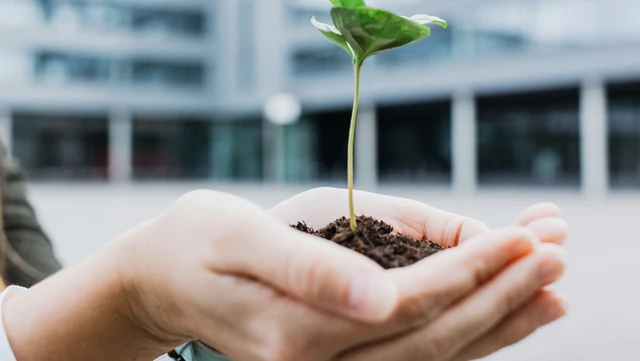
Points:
[[219, 269]]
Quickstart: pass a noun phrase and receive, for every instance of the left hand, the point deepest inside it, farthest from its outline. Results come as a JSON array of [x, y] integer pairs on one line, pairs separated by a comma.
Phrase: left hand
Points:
[[321, 206]]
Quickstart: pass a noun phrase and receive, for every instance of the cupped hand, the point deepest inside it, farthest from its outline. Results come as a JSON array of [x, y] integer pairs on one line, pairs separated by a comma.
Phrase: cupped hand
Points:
[[321, 206], [219, 269]]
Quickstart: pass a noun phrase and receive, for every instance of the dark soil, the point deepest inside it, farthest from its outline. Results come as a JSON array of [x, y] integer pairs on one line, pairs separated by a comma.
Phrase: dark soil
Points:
[[376, 240]]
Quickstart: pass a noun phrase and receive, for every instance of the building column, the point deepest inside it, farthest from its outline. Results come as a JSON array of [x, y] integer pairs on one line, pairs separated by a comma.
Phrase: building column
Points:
[[270, 72], [6, 129], [120, 146], [594, 139], [366, 152], [464, 143]]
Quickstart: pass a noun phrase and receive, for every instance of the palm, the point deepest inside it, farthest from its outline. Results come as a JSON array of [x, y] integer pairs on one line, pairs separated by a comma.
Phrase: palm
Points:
[[321, 206]]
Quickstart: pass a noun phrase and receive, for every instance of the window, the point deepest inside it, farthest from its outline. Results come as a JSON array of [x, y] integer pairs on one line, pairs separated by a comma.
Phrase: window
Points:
[[320, 60], [237, 150], [436, 47], [171, 148], [169, 21], [529, 139], [62, 147], [157, 73], [61, 68], [317, 146], [414, 142], [624, 135]]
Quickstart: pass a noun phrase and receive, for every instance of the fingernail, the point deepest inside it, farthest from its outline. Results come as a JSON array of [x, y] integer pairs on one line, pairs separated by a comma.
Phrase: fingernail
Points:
[[372, 298]]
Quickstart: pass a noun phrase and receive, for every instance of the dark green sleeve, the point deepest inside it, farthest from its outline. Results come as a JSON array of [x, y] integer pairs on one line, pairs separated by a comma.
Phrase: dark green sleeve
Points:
[[36, 259]]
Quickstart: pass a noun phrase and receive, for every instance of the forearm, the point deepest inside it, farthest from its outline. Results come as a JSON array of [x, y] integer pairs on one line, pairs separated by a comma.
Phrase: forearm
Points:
[[82, 313]]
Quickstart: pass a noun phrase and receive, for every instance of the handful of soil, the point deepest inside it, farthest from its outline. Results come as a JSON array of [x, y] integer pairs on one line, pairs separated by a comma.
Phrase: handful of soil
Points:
[[376, 240]]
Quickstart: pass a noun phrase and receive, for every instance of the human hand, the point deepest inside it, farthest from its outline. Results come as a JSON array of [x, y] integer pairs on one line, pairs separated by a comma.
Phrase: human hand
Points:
[[321, 206], [218, 269], [254, 317]]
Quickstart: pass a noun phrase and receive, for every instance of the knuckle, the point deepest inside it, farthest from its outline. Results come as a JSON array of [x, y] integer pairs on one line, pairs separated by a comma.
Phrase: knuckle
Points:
[[510, 300], [438, 348], [521, 233], [302, 273], [480, 270], [415, 311]]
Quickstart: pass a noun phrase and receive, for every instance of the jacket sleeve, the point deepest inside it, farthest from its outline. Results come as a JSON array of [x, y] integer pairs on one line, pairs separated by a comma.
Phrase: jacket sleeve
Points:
[[35, 259]]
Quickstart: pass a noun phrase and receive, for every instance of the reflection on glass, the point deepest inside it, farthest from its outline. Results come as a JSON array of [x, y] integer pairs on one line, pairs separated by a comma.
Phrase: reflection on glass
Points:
[[168, 21], [150, 72], [624, 135], [60, 68], [414, 142], [322, 145], [320, 60], [529, 139], [236, 150], [437, 47], [52, 147], [171, 148], [73, 15]]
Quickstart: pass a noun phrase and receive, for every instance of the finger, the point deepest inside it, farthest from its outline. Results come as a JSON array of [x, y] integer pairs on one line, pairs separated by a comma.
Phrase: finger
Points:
[[428, 287], [409, 217], [537, 211], [256, 322], [550, 230], [474, 316], [419, 220], [316, 271], [545, 307]]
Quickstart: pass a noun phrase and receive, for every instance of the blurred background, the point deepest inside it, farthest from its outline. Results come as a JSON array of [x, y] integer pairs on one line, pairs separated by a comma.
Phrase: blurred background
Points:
[[116, 107]]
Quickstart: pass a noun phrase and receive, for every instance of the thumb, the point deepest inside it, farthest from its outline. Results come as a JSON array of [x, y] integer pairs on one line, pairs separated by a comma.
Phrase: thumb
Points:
[[315, 271]]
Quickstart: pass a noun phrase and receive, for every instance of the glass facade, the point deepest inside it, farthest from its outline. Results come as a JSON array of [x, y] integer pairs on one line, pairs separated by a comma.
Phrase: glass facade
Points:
[[530, 139], [320, 60], [61, 147], [171, 148], [414, 143], [237, 150], [56, 67], [104, 16], [624, 135], [158, 73], [315, 148], [169, 22]]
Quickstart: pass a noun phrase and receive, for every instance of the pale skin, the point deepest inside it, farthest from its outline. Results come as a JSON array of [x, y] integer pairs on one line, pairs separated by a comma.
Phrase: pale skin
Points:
[[219, 269]]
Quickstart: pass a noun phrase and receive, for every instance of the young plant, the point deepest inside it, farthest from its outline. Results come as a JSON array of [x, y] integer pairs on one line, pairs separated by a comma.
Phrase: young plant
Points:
[[362, 32]]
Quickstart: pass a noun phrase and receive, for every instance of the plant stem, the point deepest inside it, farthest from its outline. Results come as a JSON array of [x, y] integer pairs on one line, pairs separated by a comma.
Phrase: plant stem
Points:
[[352, 138]]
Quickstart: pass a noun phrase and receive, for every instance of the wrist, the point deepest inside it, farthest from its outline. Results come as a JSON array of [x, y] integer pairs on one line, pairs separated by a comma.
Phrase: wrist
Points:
[[82, 313], [144, 288]]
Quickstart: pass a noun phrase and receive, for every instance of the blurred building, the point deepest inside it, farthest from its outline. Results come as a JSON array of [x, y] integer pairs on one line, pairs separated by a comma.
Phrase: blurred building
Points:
[[515, 92]]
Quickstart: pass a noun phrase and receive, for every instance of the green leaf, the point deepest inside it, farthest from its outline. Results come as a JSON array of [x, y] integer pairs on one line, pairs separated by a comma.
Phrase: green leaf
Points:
[[372, 31], [348, 4], [330, 32], [424, 19]]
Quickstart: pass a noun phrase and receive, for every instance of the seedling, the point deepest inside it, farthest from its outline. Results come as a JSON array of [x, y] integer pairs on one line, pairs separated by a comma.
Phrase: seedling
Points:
[[362, 32]]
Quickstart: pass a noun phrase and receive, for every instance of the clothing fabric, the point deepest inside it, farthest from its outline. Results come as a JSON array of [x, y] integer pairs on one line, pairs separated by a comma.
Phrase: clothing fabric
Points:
[[31, 257], [196, 351], [6, 353]]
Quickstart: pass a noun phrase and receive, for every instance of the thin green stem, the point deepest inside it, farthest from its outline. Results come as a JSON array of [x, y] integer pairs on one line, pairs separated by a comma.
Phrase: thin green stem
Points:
[[352, 139]]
